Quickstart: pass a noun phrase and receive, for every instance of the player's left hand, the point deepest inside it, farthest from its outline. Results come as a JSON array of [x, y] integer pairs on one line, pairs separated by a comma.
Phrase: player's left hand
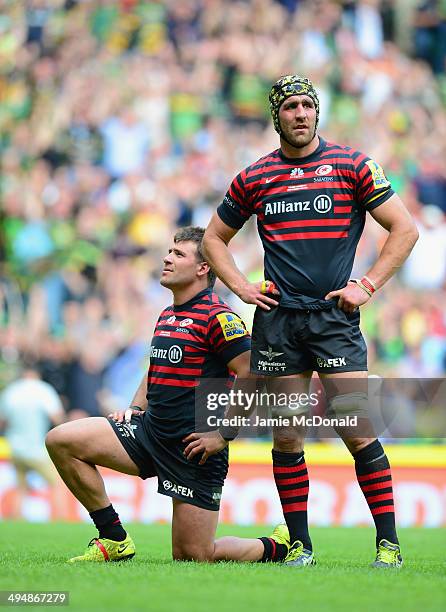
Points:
[[350, 297], [208, 443]]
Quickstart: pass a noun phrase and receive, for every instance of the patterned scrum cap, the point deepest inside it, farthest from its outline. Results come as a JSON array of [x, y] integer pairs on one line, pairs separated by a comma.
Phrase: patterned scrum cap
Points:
[[287, 86]]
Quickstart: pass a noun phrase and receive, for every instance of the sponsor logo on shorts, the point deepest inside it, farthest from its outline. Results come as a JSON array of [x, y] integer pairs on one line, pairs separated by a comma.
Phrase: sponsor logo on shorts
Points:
[[176, 488], [126, 429], [216, 495], [269, 365], [335, 362]]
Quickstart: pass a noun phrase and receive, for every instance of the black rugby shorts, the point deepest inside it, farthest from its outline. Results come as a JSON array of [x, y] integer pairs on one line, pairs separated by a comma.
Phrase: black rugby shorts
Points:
[[198, 485], [287, 341]]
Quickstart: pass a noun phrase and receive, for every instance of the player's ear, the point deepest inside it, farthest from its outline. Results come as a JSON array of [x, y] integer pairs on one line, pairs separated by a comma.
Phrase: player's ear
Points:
[[203, 268]]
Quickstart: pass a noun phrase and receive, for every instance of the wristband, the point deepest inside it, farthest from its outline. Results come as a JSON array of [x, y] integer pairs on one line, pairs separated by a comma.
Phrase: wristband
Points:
[[267, 287], [367, 282], [363, 287]]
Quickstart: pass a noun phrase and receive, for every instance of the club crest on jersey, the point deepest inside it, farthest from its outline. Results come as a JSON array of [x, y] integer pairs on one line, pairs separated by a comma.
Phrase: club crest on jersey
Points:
[[170, 320], [296, 172], [186, 322], [378, 176], [323, 170], [231, 325]]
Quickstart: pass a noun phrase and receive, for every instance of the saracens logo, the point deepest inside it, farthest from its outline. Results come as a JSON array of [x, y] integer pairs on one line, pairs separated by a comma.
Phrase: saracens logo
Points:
[[185, 322], [170, 320], [323, 170], [322, 204]]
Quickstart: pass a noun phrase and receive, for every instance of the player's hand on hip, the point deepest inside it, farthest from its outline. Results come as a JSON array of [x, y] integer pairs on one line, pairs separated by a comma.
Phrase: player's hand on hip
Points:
[[350, 297], [209, 443], [120, 415], [254, 293]]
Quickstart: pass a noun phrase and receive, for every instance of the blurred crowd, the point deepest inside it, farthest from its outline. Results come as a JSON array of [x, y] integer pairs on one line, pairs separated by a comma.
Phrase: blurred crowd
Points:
[[122, 120]]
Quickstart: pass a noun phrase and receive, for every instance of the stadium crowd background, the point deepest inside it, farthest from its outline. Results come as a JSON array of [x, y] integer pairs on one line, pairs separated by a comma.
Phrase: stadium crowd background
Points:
[[121, 121]]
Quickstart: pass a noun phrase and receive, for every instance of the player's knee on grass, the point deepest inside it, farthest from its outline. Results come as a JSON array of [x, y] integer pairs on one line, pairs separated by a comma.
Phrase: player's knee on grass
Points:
[[192, 552]]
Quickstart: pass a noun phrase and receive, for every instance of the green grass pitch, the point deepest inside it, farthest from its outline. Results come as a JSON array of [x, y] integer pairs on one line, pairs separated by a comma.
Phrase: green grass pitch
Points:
[[32, 558]]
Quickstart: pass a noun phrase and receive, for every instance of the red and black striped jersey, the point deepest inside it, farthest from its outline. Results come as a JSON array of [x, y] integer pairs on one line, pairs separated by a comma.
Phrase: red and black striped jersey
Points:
[[191, 341], [310, 216]]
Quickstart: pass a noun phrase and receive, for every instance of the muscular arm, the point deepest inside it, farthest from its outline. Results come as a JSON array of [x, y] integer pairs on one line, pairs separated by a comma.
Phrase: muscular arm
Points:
[[140, 399], [216, 251], [403, 234]]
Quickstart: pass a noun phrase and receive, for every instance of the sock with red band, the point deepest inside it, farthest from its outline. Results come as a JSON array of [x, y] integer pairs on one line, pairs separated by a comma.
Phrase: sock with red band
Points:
[[375, 479], [108, 524], [291, 477], [273, 551]]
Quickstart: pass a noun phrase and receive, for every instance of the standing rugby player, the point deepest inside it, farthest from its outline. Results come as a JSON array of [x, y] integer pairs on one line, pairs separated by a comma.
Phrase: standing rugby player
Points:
[[311, 198], [197, 337]]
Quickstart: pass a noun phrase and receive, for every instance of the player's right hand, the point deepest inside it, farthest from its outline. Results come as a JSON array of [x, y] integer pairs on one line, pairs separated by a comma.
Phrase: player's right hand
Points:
[[251, 293], [119, 415], [207, 443]]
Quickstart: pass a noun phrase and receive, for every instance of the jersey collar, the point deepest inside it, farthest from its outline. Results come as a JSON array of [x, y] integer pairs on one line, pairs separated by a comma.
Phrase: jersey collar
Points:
[[304, 160]]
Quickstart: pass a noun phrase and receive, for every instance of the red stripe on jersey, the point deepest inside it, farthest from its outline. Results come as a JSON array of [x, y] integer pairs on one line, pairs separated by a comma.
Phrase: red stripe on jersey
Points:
[[193, 359], [306, 223], [342, 209], [269, 190], [190, 314], [306, 236], [172, 334], [172, 382], [374, 475], [193, 349], [345, 197], [171, 370]]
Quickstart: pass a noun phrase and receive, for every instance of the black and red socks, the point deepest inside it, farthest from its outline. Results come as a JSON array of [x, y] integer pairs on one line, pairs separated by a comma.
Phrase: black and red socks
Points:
[[375, 479], [108, 524], [291, 477]]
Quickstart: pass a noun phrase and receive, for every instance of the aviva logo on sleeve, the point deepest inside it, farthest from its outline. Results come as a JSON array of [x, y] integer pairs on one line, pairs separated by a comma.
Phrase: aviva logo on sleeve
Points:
[[378, 176], [231, 325]]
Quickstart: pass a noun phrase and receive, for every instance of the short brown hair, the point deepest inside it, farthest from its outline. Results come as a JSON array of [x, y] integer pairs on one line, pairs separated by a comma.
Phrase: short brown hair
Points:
[[195, 234]]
